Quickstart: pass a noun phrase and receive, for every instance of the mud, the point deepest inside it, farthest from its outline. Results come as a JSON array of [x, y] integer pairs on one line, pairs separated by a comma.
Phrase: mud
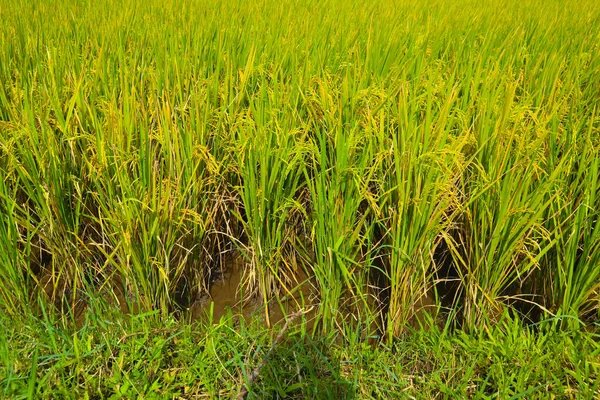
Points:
[[225, 296]]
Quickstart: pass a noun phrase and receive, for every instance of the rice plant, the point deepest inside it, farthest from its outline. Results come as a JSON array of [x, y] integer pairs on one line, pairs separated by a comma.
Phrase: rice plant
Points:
[[379, 149]]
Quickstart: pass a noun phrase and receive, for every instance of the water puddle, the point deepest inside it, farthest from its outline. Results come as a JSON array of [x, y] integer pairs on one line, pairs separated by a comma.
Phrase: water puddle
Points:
[[226, 297]]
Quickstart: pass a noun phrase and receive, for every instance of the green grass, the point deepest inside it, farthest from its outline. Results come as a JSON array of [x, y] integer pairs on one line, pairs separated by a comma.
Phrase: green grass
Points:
[[397, 154], [149, 357]]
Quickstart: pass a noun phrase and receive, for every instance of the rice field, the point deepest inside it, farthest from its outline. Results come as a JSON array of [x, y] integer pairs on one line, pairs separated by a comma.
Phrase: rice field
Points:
[[420, 181], [391, 157]]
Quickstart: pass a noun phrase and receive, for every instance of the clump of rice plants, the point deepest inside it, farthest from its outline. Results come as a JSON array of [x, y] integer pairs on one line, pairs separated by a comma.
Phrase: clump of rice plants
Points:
[[143, 146]]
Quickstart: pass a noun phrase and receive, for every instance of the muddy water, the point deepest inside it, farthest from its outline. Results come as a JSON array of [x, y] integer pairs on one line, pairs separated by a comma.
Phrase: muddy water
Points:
[[225, 296]]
